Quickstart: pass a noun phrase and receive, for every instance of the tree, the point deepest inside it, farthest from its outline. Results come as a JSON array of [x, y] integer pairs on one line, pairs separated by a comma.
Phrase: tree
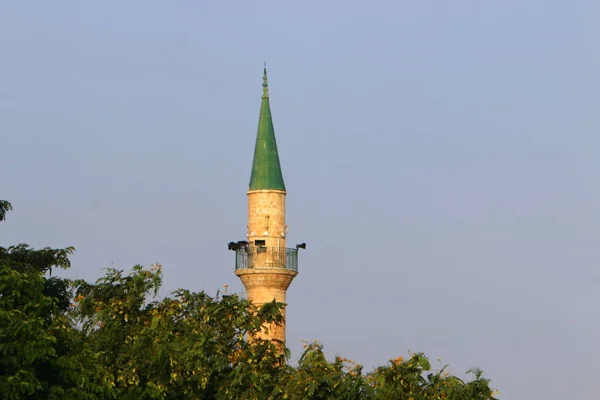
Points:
[[317, 378], [42, 355], [186, 346], [116, 339], [413, 379], [4, 207]]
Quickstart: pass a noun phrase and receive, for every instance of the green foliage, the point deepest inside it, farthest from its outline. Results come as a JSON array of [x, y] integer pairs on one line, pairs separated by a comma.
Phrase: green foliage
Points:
[[413, 379], [116, 339], [186, 346], [42, 356], [4, 207], [317, 378]]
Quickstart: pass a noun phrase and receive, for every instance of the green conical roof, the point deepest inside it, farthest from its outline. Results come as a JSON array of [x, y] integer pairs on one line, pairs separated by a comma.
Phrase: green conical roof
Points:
[[266, 170]]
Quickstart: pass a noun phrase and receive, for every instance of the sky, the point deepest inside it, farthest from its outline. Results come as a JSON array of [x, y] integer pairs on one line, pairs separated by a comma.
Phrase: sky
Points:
[[441, 161]]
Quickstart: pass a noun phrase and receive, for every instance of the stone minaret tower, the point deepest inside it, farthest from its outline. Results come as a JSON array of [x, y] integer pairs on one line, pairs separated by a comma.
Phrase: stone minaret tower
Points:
[[263, 262]]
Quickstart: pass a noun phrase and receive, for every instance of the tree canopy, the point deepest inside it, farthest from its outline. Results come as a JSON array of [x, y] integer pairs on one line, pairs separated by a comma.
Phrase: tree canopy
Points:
[[116, 339]]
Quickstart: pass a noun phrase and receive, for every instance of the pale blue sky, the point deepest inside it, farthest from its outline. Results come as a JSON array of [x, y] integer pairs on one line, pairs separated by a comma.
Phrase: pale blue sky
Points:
[[441, 160]]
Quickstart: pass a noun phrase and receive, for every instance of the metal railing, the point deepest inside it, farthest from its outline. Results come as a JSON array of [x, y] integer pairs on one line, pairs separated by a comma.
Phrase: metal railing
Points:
[[266, 257]]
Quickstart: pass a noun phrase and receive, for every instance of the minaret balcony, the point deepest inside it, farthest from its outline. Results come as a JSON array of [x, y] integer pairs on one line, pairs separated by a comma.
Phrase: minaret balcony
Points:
[[266, 257]]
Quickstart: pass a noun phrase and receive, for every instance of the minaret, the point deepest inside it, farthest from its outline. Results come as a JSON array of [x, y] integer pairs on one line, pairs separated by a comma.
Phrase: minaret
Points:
[[263, 262]]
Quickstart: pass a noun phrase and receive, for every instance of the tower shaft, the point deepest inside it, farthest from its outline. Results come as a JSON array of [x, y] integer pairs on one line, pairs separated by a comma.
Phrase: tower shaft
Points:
[[265, 265]]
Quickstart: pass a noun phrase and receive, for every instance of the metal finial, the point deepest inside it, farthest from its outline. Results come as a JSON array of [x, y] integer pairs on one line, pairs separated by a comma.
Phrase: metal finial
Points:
[[265, 84]]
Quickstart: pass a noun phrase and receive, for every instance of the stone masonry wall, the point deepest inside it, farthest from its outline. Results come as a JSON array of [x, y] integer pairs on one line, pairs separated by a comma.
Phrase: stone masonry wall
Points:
[[266, 214]]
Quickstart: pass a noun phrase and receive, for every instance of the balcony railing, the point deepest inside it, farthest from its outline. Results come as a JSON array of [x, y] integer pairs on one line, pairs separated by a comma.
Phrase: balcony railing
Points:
[[266, 257]]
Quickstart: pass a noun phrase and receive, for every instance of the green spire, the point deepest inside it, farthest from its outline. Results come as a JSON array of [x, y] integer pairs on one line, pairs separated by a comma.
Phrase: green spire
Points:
[[266, 170]]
